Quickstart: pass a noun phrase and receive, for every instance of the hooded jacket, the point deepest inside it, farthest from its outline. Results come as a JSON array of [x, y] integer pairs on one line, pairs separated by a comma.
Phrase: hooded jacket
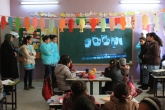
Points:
[[115, 104], [56, 56], [62, 72]]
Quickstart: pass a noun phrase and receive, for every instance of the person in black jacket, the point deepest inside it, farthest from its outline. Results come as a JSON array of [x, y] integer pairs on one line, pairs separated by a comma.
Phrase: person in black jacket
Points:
[[144, 45], [9, 69], [113, 72]]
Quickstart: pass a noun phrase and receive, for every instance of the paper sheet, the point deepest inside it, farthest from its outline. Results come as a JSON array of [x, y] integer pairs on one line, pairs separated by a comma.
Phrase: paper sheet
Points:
[[6, 82]]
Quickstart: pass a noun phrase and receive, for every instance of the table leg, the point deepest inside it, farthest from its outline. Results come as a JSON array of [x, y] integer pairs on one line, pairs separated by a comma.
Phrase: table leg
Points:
[[154, 88], [163, 86], [91, 87], [100, 87], [12, 98], [15, 96]]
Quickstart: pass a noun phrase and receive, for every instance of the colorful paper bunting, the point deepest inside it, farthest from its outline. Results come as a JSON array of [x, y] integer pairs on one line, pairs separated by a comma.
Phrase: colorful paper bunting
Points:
[[62, 24], [35, 23], [71, 25], [42, 24], [112, 23], [103, 25], [3, 22], [82, 24], [93, 23], [107, 20], [145, 20], [133, 20], [26, 23], [10, 21], [51, 25], [122, 22], [117, 21], [17, 23], [156, 21]]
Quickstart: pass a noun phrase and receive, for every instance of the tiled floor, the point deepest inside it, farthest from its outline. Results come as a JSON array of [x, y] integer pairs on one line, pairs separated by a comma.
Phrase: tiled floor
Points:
[[33, 100]]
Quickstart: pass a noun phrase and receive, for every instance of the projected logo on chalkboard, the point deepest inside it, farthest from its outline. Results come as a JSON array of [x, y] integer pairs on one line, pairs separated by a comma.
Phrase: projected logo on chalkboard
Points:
[[104, 40], [103, 47]]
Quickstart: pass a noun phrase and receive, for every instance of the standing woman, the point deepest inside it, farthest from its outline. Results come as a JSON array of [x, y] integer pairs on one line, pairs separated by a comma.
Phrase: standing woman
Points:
[[9, 67], [152, 57], [28, 54]]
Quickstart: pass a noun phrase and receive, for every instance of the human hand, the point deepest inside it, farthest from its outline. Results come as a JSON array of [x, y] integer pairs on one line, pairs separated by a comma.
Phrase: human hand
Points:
[[15, 54], [31, 54]]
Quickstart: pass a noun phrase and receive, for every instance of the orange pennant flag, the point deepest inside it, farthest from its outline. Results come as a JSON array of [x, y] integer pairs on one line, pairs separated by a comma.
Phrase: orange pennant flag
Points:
[[42, 24], [3, 22], [35, 23], [26, 23]]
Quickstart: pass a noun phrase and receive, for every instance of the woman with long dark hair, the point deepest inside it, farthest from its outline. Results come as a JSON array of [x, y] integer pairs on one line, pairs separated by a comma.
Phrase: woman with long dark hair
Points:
[[28, 55], [152, 57]]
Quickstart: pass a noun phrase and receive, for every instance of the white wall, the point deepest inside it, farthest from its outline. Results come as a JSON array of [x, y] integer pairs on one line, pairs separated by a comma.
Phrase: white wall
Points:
[[5, 7]]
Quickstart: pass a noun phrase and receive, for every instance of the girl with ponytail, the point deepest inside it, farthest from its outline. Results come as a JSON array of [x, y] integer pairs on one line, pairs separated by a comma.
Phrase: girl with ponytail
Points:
[[28, 55], [152, 57], [120, 100]]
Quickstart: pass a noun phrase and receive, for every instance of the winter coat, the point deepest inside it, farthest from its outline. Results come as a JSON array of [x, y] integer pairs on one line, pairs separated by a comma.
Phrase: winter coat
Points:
[[62, 72], [28, 60], [56, 56], [152, 56], [143, 51], [9, 67], [115, 104], [47, 53]]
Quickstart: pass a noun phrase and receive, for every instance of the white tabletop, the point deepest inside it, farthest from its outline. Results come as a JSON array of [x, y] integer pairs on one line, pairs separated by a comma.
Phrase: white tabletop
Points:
[[97, 98], [76, 79], [158, 77]]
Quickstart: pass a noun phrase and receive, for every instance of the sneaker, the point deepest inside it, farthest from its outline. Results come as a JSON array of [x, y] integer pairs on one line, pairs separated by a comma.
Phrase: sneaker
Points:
[[26, 88], [139, 83], [31, 87], [140, 87], [151, 91]]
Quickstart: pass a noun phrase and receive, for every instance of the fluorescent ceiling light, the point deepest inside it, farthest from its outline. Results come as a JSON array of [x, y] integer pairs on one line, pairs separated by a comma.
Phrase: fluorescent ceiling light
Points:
[[38, 3], [139, 1]]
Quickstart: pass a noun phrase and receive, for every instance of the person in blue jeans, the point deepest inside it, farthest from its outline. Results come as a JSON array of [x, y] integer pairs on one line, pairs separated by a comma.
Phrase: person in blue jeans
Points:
[[28, 55], [47, 55]]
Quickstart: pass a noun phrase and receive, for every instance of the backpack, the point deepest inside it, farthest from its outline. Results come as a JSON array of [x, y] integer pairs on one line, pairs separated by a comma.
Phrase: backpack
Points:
[[128, 80], [47, 90]]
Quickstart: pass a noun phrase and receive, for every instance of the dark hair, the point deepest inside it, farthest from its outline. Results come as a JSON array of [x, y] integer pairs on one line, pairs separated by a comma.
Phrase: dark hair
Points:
[[83, 103], [148, 34], [78, 88], [113, 63], [157, 38], [150, 105], [45, 38], [121, 91], [65, 61], [52, 36], [24, 41], [62, 57], [142, 38]]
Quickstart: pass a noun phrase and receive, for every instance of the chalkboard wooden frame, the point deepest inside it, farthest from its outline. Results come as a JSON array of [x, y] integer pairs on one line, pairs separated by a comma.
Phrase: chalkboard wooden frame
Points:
[[81, 64]]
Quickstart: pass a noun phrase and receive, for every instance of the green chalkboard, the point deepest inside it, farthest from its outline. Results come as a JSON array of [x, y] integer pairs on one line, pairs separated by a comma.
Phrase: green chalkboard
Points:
[[96, 47]]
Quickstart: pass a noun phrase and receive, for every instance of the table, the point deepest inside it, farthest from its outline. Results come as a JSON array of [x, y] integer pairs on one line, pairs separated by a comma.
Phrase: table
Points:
[[58, 105], [162, 78], [13, 96], [99, 79]]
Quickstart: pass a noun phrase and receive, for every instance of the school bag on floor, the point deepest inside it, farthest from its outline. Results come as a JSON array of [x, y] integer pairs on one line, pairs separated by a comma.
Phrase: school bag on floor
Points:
[[47, 90]]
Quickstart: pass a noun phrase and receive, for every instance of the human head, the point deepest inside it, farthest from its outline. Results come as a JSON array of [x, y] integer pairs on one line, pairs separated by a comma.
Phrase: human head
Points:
[[66, 61], [78, 88], [113, 63], [62, 57], [122, 61], [83, 103], [46, 39], [53, 38], [150, 103], [121, 91], [152, 36], [9, 37], [142, 40], [27, 40]]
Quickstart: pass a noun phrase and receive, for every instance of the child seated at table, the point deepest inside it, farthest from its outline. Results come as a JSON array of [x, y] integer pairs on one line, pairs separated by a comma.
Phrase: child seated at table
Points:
[[127, 78], [120, 100], [78, 99], [71, 64], [113, 72]]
